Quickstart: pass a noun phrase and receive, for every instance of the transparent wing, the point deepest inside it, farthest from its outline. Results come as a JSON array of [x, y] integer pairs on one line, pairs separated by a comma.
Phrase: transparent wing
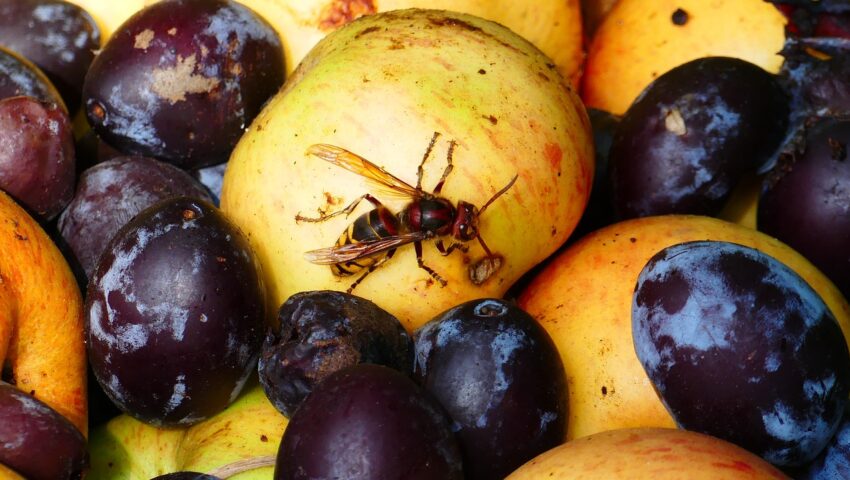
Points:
[[382, 179], [353, 251]]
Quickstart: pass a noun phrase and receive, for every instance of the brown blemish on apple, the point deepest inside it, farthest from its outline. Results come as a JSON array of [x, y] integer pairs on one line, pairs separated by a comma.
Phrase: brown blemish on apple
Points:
[[174, 83], [735, 465], [366, 31], [553, 154], [143, 39], [339, 12]]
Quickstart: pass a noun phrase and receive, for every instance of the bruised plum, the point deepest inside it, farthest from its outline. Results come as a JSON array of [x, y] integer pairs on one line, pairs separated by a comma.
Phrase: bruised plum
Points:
[[38, 442], [369, 422], [322, 332], [175, 313], [692, 135], [805, 201], [20, 77], [111, 193], [500, 377], [37, 159], [739, 346], [182, 79], [58, 36]]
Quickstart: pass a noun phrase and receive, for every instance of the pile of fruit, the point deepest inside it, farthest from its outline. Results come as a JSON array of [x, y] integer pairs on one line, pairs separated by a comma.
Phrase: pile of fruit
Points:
[[264, 239]]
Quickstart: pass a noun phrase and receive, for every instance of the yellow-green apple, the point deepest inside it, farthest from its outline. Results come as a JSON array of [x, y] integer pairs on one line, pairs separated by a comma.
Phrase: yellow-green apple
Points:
[[583, 298], [239, 443], [553, 25], [379, 89], [648, 454]]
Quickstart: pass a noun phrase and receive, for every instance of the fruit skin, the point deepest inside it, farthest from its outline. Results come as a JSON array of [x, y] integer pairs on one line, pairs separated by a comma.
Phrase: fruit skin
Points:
[[59, 37], [554, 26], [7, 473], [583, 299], [638, 41], [37, 441], [477, 77], [41, 316], [37, 157], [249, 429], [118, 190], [181, 79], [805, 199], [834, 460], [19, 76], [693, 134], [322, 332], [648, 454], [178, 281], [500, 378], [369, 422], [738, 346]]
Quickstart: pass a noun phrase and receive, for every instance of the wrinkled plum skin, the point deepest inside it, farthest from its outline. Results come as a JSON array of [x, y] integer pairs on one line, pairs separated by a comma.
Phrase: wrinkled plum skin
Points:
[[58, 36], [805, 201], [500, 377], [37, 159], [369, 422], [38, 442], [692, 134], [111, 193], [834, 460], [322, 332], [182, 79], [175, 314], [738, 346], [20, 77], [815, 72]]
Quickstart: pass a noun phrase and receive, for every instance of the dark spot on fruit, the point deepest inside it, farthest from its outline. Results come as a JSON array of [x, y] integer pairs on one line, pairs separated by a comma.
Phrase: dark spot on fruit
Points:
[[633, 239], [679, 17], [264, 438], [367, 31], [491, 119], [838, 149], [97, 112], [604, 390], [482, 71]]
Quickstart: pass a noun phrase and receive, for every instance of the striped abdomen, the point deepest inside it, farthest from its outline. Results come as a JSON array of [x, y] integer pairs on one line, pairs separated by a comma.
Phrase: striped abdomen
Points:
[[372, 225]]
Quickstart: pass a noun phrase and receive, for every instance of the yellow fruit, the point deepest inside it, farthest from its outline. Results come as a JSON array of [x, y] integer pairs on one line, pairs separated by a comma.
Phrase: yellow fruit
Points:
[[583, 299], [553, 25], [648, 454], [638, 41], [380, 87], [239, 443], [7, 474], [41, 316]]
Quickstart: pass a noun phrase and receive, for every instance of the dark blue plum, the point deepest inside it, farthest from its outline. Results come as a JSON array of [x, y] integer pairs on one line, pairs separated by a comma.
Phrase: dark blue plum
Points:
[[500, 377], [740, 347], [692, 135], [834, 461], [369, 422]]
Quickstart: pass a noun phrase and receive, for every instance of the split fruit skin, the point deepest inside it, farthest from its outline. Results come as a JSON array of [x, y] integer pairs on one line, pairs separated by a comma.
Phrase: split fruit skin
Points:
[[177, 282]]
